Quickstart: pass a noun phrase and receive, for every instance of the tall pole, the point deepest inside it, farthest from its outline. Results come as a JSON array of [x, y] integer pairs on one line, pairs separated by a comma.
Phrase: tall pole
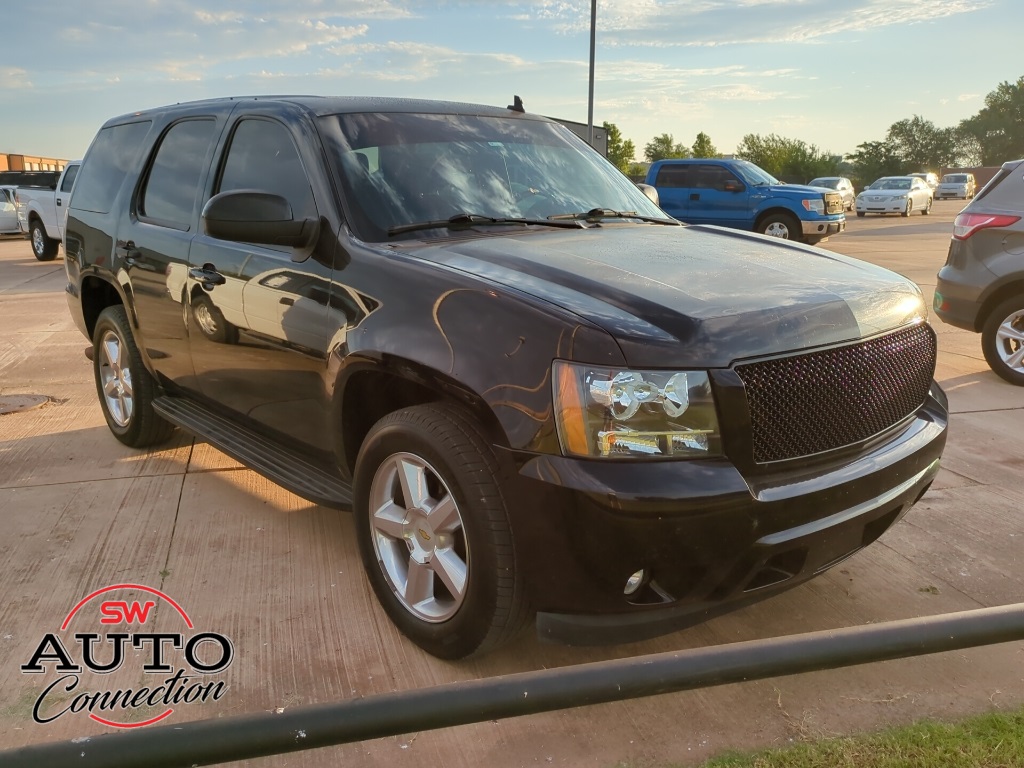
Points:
[[593, 41]]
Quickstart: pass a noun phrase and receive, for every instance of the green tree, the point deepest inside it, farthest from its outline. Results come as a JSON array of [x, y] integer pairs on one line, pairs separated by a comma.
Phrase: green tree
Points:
[[790, 160], [664, 147], [620, 152], [872, 160], [703, 147], [921, 146], [999, 126]]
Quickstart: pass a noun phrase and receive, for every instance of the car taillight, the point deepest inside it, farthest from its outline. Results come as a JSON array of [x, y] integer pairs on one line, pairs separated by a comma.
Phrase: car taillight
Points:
[[966, 224]]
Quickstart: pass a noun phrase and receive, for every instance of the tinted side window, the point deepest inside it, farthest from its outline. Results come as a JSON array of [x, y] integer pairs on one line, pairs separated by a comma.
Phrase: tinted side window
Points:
[[262, 156], [112, 155], [69, 178], [673, 176], [172, 186], [713, 177]]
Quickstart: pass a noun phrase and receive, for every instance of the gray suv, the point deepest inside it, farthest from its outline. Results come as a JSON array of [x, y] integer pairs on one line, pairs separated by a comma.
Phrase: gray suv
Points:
[[981, 287]]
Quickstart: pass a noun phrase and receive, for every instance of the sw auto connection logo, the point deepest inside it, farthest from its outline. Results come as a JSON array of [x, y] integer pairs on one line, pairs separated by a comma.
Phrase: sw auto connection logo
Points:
[[181, 662]]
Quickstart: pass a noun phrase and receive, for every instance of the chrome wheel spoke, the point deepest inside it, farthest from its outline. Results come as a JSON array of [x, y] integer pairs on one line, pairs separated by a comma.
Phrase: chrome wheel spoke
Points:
[[389, 520], [444, 516], [413, 479], [1014, 360], [111, 351], [1007, 331], [451, 570], [419, 585]]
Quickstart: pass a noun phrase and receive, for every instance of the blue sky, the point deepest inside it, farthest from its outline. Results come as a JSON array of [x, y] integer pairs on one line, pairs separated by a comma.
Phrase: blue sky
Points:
[[833, 74]]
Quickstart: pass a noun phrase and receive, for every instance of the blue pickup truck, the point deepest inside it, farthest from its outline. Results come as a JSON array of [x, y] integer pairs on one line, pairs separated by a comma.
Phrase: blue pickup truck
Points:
[[737, 193]]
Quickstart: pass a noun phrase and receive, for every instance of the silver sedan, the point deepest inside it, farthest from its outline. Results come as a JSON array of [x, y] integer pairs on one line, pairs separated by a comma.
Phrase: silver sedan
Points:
[[895, 194]]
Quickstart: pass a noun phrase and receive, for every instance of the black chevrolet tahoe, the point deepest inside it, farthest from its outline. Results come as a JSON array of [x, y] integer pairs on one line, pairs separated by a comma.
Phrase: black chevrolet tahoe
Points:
[[541, 396]]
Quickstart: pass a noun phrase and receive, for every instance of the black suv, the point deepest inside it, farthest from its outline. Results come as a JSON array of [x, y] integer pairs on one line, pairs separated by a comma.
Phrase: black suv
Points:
[[536, 390]]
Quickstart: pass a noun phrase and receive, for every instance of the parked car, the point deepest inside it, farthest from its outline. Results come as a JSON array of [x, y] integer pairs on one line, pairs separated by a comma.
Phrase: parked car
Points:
[[535, 389], [981, 286], [8, 212], [840, 184], [895, 194], [931, 179], [960, 185]]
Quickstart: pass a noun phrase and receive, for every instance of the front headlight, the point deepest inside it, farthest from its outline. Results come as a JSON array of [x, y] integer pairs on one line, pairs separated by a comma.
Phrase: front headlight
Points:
[[619, 413], [899, 197], [816, 205]]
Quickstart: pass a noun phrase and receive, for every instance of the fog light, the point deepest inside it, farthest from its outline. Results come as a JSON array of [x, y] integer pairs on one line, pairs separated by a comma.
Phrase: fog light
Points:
[[634, 582]]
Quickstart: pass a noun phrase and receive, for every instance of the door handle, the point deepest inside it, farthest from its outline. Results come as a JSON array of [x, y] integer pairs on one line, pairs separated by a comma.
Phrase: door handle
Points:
[[695, 195], [59, 202], [287, 301], [207, 275]]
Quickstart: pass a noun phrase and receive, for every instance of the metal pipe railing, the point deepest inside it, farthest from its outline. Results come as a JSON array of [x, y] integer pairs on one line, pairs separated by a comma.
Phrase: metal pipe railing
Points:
[[207, 742]]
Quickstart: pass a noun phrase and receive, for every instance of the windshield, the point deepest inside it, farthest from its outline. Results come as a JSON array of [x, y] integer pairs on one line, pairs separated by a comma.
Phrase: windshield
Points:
[[892, 184], [753, 174], [954, 178], [830, 183], [399, 169]]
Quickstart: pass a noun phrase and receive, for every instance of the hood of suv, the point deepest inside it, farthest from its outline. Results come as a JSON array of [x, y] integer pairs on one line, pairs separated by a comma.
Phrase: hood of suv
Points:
[[693, 296]]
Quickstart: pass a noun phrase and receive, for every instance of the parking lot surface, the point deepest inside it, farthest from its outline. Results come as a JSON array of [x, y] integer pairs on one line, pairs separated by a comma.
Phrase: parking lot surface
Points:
[[281, 577]]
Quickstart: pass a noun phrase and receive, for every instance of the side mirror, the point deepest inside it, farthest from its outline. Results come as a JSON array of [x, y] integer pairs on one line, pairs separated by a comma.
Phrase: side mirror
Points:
[[651, 192], [733, 186], [252, 216]]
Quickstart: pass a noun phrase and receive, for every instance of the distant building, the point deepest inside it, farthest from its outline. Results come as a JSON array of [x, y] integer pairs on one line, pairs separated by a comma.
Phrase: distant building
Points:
[[10, 162], [600, 142]]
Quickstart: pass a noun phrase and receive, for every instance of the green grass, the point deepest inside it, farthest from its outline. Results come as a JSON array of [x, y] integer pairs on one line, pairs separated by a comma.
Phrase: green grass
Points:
[[987, 741]]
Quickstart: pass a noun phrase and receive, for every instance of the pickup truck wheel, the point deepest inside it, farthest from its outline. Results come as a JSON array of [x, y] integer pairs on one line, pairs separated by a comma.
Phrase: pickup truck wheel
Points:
[[780, 225], [44, 248], [125, 388], [434, 533], [909, 208], [1002, 340]]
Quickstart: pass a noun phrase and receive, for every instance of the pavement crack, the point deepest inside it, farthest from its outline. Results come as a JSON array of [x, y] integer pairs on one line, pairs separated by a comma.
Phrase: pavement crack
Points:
[[166, 571]]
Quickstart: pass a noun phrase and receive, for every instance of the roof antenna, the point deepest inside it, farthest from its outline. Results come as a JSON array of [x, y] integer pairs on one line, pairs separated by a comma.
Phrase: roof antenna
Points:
[[516, 105]]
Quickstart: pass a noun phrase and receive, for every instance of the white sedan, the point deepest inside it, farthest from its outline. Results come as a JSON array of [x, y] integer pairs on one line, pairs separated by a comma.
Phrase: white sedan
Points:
[[895, 194]]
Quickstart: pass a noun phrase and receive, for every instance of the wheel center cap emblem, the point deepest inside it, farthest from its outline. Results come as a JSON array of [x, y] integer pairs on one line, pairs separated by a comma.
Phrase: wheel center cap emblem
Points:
[[423, 534]]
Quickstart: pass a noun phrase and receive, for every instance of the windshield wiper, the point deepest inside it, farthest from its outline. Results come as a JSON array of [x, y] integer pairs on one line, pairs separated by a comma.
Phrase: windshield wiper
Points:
[[465, 220], [596, 214]]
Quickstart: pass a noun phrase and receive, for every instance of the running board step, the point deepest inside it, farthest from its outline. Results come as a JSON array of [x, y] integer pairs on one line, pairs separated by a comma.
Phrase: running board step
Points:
[[282, 465]]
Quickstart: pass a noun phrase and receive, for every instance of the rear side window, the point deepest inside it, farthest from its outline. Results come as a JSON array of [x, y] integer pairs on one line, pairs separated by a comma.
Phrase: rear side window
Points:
[[1006, 189], [69, 178], [262, 156], [674, 176], [172, 185], [112, 155]]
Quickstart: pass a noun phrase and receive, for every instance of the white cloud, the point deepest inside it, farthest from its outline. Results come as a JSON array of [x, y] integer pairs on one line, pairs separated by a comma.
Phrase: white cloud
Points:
[[14, 78]]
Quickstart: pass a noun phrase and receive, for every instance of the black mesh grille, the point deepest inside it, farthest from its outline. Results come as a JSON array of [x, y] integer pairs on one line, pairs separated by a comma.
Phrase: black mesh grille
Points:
[[812, 403]]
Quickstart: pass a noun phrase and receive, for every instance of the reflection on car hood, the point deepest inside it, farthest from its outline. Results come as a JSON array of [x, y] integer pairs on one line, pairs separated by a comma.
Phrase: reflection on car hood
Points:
[[796, 190], [693, 296]]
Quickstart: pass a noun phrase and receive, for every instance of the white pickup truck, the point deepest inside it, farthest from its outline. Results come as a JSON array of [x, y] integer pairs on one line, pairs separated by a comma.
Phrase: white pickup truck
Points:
[[42, 211]]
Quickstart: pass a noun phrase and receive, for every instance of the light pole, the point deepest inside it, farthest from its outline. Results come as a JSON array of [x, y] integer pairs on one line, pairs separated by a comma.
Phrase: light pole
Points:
[[593, 40]]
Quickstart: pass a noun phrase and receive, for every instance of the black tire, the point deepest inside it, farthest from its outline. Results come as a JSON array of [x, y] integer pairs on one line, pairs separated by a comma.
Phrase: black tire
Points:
[[44, 248], [127, 401], [909, 209], [860, 214], [1000, 352], [210, 321], [441, 446], [780, 225], [927, 208]]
